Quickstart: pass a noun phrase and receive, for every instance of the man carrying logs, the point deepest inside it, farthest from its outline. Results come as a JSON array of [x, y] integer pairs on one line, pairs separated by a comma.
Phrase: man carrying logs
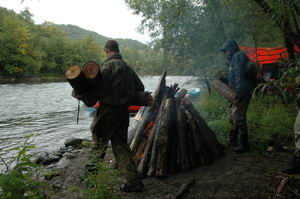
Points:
[[240, 83], [115, 92]]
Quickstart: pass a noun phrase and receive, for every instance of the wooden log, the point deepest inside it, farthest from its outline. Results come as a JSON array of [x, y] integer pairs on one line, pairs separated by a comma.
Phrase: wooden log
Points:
[[153, 159], [150, 115], [162, 142], [141, 99], [77, 80], [145, 161], [183, 189], [224, 90], [192, 154], [181, 94], [200, 147], [166, 142], [91, 71], [173, 136], [140, 132], [216, 149], [142, 146], [182, 155], [159, 93]]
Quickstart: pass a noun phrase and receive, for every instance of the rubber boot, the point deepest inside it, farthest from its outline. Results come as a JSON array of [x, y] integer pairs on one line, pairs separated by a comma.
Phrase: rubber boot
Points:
[[244, 145], [232, 138], [294, 165]]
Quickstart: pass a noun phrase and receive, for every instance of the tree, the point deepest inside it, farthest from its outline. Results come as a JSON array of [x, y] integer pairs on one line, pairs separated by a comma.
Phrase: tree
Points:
[[18, 54]]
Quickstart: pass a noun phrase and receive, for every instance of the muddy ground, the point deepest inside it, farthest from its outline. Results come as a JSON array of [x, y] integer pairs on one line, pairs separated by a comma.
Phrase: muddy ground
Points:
[[248, 175]]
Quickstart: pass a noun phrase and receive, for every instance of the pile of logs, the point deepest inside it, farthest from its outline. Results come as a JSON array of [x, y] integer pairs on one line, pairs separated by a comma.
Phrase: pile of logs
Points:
[[172, 136]]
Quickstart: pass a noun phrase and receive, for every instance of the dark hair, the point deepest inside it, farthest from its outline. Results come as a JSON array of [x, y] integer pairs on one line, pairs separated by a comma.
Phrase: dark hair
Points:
[[112, 45]]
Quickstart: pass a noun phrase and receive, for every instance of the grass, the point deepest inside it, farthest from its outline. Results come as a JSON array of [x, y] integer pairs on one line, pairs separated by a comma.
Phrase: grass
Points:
[[101, 183], [270, 122]]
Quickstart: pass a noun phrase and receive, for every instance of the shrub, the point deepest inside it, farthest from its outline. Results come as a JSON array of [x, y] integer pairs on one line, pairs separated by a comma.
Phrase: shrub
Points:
[[267, 117], [19, 182]]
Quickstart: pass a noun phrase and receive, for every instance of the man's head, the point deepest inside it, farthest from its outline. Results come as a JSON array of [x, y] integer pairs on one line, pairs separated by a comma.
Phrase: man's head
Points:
[[230, 47], [111, 47]]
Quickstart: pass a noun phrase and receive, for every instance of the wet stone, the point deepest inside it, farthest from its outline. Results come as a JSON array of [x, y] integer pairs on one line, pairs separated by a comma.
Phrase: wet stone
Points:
[[73, 142]]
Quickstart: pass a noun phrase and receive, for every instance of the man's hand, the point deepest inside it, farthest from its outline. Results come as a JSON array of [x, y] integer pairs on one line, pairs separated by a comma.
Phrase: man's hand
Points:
[[150, 99], [76, 95]]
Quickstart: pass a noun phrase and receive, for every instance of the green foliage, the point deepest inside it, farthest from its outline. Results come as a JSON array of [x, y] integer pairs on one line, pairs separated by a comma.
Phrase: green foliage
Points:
[[18, 182], [30, 50], [284, 88], [190, 32], [267, 118], [102, 182], [214, 109]]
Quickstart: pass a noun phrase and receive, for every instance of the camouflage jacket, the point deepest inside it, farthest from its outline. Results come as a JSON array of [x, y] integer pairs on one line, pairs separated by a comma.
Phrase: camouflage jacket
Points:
[[119, 82], [117, 86]]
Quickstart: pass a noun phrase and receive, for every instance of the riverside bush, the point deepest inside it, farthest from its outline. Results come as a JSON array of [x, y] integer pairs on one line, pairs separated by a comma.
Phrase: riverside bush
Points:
[[267, 118], [20, 181]]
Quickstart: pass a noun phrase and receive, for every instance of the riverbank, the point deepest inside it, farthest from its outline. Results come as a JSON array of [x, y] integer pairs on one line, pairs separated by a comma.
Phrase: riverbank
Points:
[[248, 175], [31, 80]]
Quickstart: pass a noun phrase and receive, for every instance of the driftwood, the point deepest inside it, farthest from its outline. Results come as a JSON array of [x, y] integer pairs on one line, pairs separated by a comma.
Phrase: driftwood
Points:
[[224, 90], [281, 186], [184, 188]]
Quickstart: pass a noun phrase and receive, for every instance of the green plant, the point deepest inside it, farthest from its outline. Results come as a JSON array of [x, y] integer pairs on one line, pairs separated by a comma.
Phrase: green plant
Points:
[[214, 109], [19, 182], [285, 88], [102, 182], [269, 120]]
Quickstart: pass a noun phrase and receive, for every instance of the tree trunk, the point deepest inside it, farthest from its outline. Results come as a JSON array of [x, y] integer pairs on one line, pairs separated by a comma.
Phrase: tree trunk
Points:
[[290, 49], [281, 22]]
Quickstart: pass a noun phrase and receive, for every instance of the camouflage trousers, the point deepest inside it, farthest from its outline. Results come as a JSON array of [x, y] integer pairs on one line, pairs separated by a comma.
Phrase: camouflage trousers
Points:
[[238, 113], [297, 131], [111, 124]]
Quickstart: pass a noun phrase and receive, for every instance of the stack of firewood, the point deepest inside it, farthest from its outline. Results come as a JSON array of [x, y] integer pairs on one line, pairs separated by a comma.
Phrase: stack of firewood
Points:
[[172, 136]]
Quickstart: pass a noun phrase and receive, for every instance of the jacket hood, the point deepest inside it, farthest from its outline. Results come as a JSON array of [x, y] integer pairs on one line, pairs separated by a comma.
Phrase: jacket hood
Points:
[[231, 46]]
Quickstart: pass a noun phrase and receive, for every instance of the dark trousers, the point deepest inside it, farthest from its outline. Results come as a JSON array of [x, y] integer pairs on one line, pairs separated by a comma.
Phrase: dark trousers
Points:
[[238, 112], [111, 123]]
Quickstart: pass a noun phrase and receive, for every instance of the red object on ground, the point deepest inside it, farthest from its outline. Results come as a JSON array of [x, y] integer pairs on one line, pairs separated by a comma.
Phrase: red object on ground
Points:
[[131, 108], [267, 55]]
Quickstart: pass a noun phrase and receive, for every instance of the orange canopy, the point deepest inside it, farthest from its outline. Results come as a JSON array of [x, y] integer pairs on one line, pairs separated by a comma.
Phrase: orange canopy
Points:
[[267, 55]]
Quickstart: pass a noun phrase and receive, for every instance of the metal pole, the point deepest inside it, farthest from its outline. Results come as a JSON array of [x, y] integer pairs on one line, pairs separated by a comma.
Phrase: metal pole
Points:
[[78, 111]]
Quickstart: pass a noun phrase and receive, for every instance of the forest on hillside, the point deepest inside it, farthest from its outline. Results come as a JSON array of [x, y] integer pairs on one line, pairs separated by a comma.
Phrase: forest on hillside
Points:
[[29, 50], [186, 37]]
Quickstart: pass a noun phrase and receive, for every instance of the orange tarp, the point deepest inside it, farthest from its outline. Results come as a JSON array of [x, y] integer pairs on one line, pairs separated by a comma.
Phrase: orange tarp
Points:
[[267, 55]]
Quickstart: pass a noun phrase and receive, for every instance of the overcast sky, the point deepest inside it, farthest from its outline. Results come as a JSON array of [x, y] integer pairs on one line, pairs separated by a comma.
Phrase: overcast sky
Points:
[[110, 18]]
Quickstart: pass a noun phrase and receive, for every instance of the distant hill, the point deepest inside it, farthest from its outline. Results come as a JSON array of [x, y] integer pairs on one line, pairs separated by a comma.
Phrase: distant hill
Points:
[[77, 33]]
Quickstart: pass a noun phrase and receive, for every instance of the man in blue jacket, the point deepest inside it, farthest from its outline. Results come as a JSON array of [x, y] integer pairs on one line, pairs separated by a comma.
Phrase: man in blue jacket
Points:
[[241, 83]]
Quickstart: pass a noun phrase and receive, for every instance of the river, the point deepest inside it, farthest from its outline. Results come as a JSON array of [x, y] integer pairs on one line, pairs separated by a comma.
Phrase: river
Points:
[[49, 113]]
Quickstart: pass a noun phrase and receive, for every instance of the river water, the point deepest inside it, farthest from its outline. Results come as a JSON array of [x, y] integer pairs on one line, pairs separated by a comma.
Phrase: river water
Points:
[[49, 113]]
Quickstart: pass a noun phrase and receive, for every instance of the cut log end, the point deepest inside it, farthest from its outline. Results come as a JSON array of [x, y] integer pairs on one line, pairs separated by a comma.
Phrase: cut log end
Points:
[[90, 70], [72, 72]]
